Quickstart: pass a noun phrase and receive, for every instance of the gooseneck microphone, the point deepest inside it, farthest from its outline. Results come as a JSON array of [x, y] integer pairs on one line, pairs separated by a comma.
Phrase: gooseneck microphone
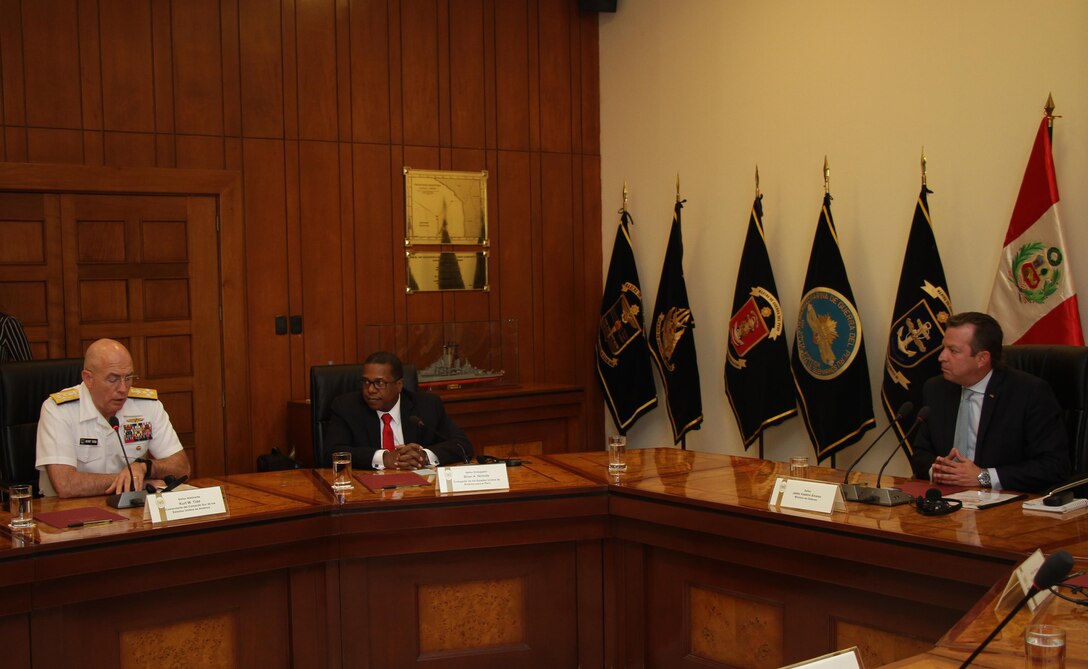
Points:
[[423, 426], [133, 497], [1052, 572], [923, 414], [852, 491]]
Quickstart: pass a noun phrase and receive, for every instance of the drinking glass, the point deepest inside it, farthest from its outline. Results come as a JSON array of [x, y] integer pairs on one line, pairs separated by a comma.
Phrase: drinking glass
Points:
[[21, 506], [617, 454], [341, 470]]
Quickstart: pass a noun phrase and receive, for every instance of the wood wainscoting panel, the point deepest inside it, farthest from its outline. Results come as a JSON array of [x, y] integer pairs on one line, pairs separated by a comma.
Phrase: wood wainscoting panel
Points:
[[490, 607], [471, 615], [733, 629], [206, 641], [878, 646]]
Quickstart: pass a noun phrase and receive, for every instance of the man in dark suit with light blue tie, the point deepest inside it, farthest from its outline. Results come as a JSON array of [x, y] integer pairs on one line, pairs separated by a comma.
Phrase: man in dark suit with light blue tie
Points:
[[989, 426], [387, 427]]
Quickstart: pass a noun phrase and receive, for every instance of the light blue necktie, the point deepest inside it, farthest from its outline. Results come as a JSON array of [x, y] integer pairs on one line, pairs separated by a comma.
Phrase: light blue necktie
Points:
[[967, 423]]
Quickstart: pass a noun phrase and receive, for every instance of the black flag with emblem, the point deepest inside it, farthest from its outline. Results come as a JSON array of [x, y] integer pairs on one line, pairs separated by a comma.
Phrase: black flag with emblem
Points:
[[922, 307], [623, 357], [672, 339], [829, 366], [757, 358]]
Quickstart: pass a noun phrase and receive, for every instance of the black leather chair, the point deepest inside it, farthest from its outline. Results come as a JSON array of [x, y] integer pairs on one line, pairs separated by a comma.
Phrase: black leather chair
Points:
[[23, 388], [1065, 368], [327, 382]]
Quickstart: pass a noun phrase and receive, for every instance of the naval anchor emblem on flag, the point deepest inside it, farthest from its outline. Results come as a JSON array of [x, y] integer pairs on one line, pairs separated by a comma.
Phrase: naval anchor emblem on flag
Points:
[[1036, 273], [621, 325], [749, 326], [917, 335], [828, 333]]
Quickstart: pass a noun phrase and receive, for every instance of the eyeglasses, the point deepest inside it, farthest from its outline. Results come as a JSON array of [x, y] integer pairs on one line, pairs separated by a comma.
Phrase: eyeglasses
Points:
[[116, 379], [380, 384]]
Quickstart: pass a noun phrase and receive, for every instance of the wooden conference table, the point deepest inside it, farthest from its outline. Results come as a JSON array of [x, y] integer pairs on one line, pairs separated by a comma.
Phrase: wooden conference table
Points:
[[679, 562]]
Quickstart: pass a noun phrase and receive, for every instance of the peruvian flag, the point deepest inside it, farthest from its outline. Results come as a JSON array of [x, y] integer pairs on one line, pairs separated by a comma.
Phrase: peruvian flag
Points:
[[1033, 296]]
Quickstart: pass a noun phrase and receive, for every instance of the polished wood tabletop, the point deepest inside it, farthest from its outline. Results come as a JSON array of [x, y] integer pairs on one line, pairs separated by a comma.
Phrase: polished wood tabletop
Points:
[[743, 485]]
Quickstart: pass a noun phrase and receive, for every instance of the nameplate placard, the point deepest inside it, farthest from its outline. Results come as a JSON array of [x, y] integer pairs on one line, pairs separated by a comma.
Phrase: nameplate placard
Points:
[[806, 495], [184, 504], [1020, 583], [473, 478]]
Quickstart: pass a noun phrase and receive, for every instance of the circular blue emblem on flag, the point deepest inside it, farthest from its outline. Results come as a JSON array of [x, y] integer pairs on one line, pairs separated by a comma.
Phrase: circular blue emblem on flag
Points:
[[828, 333]]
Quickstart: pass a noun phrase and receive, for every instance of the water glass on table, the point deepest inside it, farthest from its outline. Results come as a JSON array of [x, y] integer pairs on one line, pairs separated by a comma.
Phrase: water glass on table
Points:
[[341, 471], [617, 454], [21, 507], [798, 467], [1044, 647]]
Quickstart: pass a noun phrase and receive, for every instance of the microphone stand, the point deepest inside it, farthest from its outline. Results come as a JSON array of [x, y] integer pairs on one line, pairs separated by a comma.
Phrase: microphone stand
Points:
[[852, 491], [133, 497]]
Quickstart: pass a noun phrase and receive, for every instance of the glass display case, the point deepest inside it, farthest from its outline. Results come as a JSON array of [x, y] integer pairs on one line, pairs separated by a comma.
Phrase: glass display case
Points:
[[453, 355]]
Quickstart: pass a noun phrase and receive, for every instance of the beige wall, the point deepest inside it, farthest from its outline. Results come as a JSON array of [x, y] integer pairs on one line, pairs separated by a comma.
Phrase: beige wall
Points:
[[710, 88]]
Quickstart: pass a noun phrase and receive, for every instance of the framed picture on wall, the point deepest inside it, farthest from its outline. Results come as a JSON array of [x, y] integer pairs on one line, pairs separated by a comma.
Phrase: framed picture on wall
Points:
[[443, 207]]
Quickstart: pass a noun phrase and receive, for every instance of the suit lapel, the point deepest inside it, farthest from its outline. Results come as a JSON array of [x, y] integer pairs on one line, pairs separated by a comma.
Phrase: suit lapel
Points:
[[408, 426], [947, 426], [989, 407]]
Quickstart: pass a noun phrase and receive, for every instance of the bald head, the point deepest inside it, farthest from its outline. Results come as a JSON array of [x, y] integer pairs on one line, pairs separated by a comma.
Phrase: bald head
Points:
[[107, 373]]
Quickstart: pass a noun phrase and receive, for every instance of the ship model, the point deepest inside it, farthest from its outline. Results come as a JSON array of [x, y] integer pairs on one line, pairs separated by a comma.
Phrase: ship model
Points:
[[452, 370]]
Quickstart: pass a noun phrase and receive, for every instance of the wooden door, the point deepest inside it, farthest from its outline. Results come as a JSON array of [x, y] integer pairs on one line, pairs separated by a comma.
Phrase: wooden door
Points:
[[145, 270]]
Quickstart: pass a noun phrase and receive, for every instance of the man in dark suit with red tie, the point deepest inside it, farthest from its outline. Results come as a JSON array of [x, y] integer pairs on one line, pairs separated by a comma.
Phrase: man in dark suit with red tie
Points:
[[387, 427], [989, 426]]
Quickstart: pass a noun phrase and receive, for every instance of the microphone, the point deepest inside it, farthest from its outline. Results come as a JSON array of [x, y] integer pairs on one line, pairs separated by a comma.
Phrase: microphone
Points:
[[423, 426], [1052, 572], [133, 497], [923, 414], [852, 491]]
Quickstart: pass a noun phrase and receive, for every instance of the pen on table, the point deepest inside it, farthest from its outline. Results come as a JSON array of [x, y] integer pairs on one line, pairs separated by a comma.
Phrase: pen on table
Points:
[[89, 523]]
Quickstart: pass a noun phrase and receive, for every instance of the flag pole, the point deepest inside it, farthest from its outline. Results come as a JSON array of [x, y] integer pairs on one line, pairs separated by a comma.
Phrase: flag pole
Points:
[[623, 209], [827, 176], [923, 167]]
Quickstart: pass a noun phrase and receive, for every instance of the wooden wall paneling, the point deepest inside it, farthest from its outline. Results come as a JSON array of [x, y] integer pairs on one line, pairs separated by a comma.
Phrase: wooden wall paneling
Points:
[[322, 270], [341, 31], [512, 80], [418, 79], [375, 260], [30, 269], [261, 69], [195, 85], [419, 307], [532, 73], [473, 305], [512, 261], [89, 50], [444, 43], [15, 637], [266, 294], [125, 58], [557, 76], [539, 270], [590, 80], [371, 71], [488, 68], [162, 72], [207, 354], [394, 60], [349, 287], [468, 71], [51, 61], [12, 82], [298, 379], [313, 645], [128, 149], [194, 151], [231, 73], [51, 145], [561, 307], [290, 53], [592, 286], [236, 342]]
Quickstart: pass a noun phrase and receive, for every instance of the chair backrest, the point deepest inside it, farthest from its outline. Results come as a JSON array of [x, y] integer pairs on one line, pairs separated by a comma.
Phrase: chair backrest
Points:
[[327, 382], [23, 387], [1065, 368]]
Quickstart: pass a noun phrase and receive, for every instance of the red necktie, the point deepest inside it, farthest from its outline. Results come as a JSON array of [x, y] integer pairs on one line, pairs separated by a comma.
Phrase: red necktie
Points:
[[387, 433]]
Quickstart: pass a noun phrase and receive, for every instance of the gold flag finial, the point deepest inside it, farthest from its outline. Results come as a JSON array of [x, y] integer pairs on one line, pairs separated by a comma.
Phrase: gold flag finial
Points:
[[677, 186], [757, 179], [827, 176], [1049, 109], [624, 207], [923, 167]]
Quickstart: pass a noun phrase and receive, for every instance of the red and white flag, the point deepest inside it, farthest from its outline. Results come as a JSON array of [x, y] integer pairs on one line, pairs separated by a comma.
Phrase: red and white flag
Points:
[[1033, 296]]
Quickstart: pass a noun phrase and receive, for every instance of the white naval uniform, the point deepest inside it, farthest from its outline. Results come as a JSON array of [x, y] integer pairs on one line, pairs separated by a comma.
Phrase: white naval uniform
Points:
[[71, 431]]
